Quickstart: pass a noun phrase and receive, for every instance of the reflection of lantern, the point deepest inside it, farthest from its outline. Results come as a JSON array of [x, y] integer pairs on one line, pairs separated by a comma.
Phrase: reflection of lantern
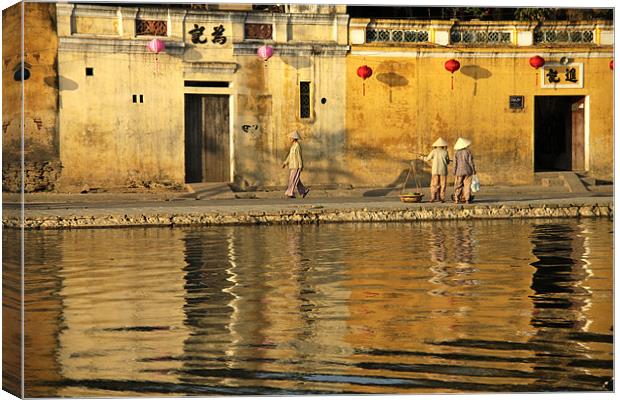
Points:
[[265, 53], [452, 66], [156, 46], [611, 65], [364, 72], [537, 62]]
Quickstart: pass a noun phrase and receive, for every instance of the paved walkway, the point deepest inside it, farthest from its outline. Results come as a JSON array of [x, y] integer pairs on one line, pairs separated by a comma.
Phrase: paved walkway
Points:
[[48, 210]]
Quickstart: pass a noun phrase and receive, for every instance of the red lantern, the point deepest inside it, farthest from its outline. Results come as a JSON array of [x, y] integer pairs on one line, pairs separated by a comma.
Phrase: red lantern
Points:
[[364, 72], [452, 66], [537, 62], [611, 65]]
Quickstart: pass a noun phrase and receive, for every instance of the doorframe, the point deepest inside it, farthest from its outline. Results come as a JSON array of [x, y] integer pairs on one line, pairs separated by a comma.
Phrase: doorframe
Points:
[[231, 111], [586, 128], [586, 132]]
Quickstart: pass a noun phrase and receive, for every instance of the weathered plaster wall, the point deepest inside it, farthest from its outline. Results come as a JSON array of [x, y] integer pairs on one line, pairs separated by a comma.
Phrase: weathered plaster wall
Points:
[[106, 139], [409, 102], [40, 98], [270, 98], [109, 141]]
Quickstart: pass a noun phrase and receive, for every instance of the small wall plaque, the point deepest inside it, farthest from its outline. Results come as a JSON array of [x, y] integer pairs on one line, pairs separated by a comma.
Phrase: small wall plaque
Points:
[[516, 102]]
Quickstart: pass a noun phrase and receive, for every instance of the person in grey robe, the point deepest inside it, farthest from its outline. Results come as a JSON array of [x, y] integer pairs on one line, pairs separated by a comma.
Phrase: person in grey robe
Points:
[[464, 170]]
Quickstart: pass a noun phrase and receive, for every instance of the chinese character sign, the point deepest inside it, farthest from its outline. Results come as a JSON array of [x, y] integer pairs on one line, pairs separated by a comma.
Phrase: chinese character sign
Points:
[[218, 36], [197, 35], [558, 76]]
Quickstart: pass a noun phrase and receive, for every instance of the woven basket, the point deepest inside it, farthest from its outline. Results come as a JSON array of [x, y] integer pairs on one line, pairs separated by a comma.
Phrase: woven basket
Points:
[[411, 197]]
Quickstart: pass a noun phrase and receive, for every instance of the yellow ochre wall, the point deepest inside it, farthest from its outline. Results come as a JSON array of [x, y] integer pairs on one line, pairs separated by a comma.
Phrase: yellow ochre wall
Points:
[[108, 141], [409, 102], [40, 97]]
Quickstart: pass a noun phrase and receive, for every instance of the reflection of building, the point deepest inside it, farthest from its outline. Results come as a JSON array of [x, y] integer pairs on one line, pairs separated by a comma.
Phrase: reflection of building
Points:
[[562, 302], [11, 312], [123, 311], [101, 110], [255, 308], [43, 309]]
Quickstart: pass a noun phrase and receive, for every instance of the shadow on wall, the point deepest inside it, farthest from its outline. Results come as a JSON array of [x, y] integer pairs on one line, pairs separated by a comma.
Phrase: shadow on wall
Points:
[[320, 160], [297, 62], [61, 82], [476, 73], [392, 80]]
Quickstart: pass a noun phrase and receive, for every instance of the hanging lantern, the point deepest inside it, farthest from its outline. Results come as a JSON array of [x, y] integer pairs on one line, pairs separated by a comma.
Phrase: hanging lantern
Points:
[[537, 62], [364, 72], [264, 53], [156, 46], [452, 66], [611, 65]]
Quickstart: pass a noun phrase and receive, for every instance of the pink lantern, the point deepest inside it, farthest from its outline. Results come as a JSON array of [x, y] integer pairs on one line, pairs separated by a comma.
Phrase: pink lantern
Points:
[[156, 46], [265, 52]]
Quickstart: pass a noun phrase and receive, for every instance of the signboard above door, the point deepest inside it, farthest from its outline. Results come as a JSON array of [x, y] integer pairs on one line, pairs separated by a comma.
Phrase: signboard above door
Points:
[[559, 76]]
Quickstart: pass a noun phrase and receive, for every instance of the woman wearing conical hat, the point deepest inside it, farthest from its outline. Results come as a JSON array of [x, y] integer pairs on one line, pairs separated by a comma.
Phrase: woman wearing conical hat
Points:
[[439, 170], [295, 164], [464, 170]]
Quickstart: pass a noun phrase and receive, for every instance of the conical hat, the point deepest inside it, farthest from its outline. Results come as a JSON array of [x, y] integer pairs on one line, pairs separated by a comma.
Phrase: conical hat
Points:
[[295, 135], [462, 144], [440, 142]]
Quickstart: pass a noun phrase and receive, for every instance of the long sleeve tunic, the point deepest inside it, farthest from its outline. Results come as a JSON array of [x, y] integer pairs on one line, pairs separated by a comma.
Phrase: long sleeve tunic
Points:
[[294, 158], [464, 163], [440, 161]]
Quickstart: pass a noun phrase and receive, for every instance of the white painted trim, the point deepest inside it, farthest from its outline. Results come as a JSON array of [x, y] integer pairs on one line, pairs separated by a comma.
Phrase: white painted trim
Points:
[[462, 52], [231, 135], [586, 133], [533, 137], [207, 90]]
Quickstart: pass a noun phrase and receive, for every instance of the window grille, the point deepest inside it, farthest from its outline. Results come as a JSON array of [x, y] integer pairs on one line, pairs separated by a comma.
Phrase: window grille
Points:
[[462, 36], [258, 31], [563, 36], [383, 36], [396, 35], [304, 99], [151, 27]]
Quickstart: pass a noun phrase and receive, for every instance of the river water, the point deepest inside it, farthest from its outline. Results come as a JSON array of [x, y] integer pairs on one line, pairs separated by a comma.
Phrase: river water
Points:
[[437, 307]]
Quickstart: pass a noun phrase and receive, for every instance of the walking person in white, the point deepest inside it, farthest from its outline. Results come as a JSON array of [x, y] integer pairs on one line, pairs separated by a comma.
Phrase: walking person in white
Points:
[[295, 163]]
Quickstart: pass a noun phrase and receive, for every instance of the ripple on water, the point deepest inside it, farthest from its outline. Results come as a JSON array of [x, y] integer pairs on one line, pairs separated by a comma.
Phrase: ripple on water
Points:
[[469, 306]]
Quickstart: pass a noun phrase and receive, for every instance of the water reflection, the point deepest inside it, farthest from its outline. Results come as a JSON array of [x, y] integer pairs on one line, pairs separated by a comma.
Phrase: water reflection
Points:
[[11, 314], [353, 308], [561, 298]]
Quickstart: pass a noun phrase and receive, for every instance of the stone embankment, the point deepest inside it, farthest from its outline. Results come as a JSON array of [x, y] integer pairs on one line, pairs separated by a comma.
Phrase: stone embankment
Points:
[[305, 214]]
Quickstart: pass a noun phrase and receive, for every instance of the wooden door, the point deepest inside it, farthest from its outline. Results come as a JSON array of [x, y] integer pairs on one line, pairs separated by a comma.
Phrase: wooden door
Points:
[[207, 148], [193, 138], [216, 143], [578, 134]]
